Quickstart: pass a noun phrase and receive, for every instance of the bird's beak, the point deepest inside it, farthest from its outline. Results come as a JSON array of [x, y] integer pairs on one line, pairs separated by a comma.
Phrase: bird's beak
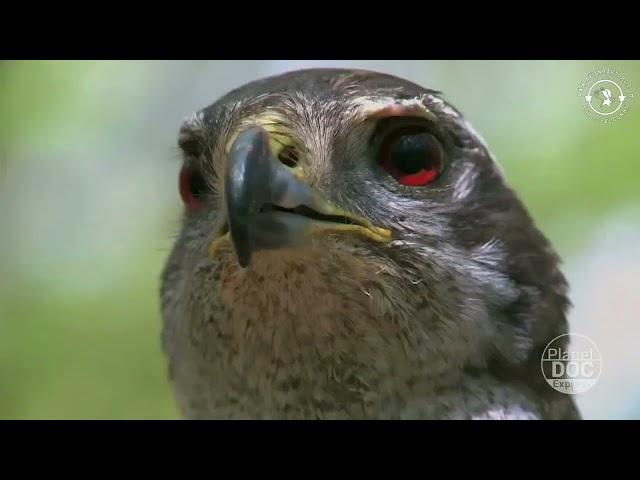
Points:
[[269, 206]]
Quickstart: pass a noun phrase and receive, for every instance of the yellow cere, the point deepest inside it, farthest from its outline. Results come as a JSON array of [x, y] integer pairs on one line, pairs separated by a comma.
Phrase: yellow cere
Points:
[[274, 124]]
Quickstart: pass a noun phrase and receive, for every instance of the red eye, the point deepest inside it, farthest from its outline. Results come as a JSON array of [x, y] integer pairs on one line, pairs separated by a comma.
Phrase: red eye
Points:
[[412, 156], [192, 187]]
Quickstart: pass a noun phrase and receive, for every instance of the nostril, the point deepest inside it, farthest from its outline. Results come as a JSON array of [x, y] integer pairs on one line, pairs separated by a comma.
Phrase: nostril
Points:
[[288, 156]]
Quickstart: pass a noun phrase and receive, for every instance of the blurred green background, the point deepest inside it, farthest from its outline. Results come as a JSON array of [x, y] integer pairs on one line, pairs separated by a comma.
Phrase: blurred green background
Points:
[[89, 206]]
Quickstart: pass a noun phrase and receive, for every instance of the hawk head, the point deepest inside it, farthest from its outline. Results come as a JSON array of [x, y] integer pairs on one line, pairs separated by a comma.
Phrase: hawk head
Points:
[[352, 223]]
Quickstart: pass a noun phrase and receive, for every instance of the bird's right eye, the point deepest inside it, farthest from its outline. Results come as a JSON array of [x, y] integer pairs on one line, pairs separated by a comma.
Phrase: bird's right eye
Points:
[[193, 188], [411, 155]]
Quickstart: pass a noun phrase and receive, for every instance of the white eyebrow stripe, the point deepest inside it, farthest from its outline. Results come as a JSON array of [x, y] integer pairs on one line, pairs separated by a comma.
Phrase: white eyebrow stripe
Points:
[[369, 106], [442, 106]]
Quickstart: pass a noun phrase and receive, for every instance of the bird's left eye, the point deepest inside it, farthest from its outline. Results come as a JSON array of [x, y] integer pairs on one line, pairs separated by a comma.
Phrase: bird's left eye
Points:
[[412, 155], [193, 188]]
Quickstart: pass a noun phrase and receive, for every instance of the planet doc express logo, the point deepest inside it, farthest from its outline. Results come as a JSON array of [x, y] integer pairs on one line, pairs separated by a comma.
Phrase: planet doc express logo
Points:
[[605, 95], [571, 363]]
